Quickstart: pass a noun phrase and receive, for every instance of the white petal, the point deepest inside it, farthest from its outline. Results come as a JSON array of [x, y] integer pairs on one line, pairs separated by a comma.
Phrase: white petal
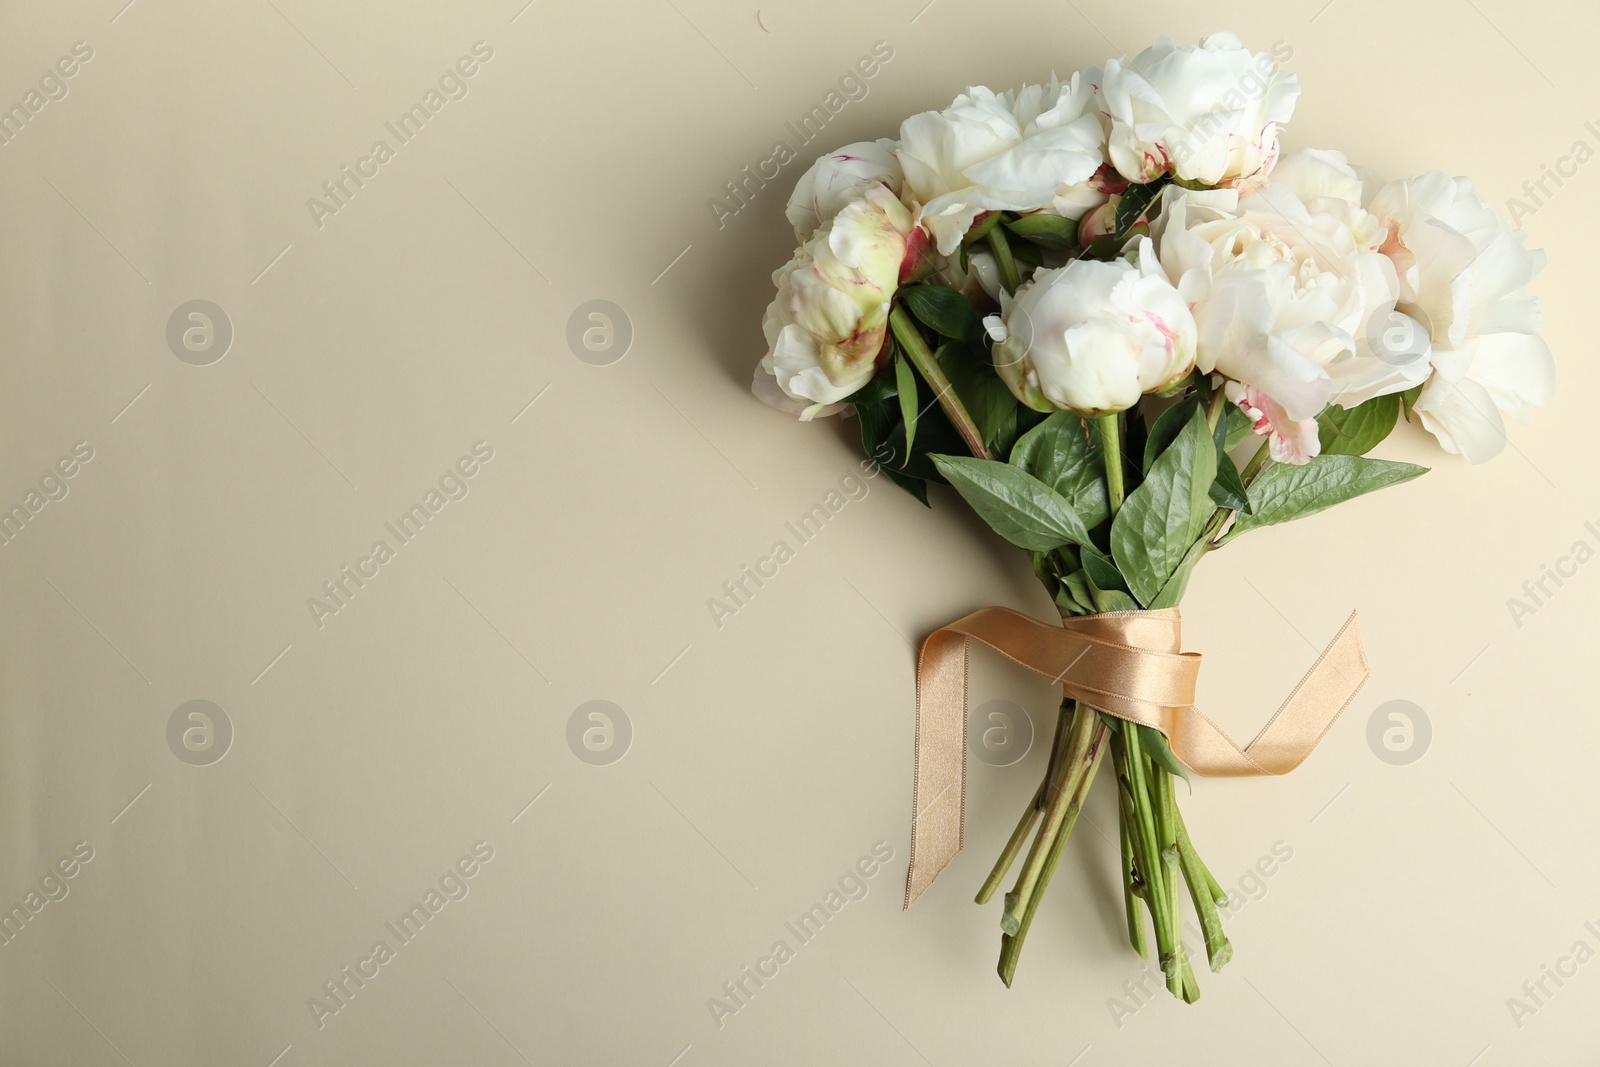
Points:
[[1517, 370], [1463, 417]]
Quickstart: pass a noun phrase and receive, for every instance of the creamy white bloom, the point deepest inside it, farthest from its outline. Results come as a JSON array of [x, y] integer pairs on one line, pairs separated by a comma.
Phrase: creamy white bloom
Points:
[[1093, 336], [1000, 151], [838, 178], [1284, 281], [826, 326], [1207, 113], [1464, 275]]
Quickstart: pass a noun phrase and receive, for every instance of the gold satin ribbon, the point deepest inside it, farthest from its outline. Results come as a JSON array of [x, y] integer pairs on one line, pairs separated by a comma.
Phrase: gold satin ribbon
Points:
[[1125, 663]]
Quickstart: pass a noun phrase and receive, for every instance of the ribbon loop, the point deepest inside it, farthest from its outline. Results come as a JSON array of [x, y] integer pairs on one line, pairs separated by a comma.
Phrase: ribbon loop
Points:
[[1125, 663]]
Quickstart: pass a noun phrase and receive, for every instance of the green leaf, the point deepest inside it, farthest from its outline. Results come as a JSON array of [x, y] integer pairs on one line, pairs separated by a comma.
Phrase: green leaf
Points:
[[944, 311], [1358, 430], [1018, 506], [883, 436], [917, 487], [1101, 572], [1154, 743], [1113, 600], [986, 221], [1058, 453], [1239, 428], [1104, 248], [1286, 491], [1135, 200], [1075, 594], [1107, 588], [1043, 223], [1228, 490], [1028, 255], [877, 432], [876, 391], [906, 386], [982, 393], [876, 423], [1161, 519], [1052, 231], [1027, 418], [1165, 429], [1408, 400], [1132, 439], [1178, 584]]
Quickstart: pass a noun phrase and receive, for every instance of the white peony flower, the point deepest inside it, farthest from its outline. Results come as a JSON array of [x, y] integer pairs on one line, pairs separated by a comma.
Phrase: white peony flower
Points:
[[826, 326], [1285, 281], [838, 178], [992, 152], [1093, 336], [1464, 275], [1207, 113]]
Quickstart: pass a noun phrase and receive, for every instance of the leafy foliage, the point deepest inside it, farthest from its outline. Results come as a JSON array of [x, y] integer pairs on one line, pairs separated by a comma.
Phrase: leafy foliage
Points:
[[1162, 519], [1358, 430], [1018, 506], [1286, 491], [944, 311], [1058, 453], [1228, 491], [1051, 231]]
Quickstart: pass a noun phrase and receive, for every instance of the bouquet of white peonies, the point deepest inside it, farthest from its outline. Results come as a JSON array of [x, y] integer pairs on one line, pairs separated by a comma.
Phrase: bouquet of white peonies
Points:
[[1127, 328]]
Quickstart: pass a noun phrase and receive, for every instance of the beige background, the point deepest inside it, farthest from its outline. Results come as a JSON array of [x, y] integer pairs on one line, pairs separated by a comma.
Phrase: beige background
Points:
[[371, 753]]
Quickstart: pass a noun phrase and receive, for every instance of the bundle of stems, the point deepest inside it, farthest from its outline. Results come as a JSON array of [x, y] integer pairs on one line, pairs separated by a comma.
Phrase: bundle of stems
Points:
[[1156, 849]]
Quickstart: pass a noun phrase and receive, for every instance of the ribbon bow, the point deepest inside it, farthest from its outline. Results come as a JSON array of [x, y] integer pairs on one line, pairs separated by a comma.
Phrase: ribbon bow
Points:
[[1125, 663]]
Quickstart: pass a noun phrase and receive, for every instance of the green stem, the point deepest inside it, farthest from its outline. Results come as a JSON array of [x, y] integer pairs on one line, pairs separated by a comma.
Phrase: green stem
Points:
[[1218, 897], [1214, 408], [1218, 949], [921, 357], [1014, 846], [1160, 787], [1253, 468], [1001, 247], [1220, 517], [1059, 799], [1011, 944], [1058, 746], [1111, 450], [1058, 751], [1191, 988], [1147, 850], [1130, 892]]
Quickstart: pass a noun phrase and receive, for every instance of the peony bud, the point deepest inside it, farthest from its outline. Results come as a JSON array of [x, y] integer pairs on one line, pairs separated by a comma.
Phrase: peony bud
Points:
[[1101, 222], [1093, 336], [838, 178], [826, 326]]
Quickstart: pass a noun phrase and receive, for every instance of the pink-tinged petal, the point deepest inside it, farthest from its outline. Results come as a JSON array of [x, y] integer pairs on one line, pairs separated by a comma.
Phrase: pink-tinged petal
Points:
[[1107, 180], [1098, 223], [919, 258], [1289, 440]]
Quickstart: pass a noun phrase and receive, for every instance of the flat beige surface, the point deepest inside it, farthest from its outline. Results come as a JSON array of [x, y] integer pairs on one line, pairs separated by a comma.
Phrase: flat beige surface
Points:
[[376, 746]]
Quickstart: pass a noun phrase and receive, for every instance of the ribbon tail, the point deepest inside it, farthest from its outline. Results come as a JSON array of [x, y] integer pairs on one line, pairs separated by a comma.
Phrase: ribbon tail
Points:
[[1126, 664], [1315, 705], [939, 790]]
